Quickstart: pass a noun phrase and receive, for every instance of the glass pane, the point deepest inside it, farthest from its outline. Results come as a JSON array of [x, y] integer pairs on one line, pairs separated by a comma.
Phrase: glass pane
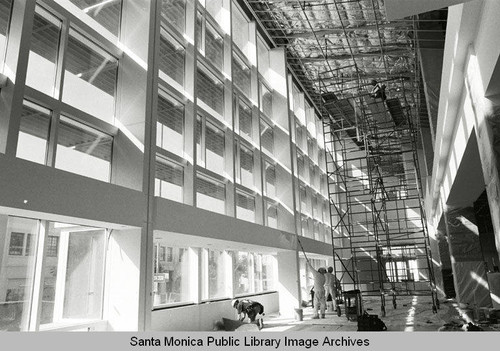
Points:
[[214, 148], [169, 180], [74, 272], [272, 215], [89, 78], [200, 155], [241, 277], [33, 133], [41, 73], [246, 166], [241, 75], [83, 150], [199, 31], [257, 273], [245, 206], [216, 278], [174, 12], [266, 101], [214, 8], [240, 30], [263, 56], [5, 9], [172, 58], [270, 177], [106, 13], [210, 194], [210, 91], [266, 137], [245, 119], [268, 277], [171, 272], [214, 47], [170, 127], [300, 165], [16, 271]]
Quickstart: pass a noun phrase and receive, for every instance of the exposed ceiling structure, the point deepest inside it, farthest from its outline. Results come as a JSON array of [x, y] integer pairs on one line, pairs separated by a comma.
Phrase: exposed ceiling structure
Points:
[[339, 46]]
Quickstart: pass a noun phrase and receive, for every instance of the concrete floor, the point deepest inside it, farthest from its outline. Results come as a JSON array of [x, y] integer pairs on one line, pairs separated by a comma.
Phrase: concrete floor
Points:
[[413, 313]]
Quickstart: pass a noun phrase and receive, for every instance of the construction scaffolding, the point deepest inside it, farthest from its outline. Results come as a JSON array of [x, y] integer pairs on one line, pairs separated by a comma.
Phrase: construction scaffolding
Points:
[[379, 227], [335, 48]]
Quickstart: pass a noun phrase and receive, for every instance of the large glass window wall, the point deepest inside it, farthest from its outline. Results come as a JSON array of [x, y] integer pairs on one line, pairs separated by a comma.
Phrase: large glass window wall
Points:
[[70, 289]]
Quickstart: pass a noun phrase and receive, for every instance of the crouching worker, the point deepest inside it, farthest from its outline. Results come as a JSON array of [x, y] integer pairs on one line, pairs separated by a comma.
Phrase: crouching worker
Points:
[[252, 309]]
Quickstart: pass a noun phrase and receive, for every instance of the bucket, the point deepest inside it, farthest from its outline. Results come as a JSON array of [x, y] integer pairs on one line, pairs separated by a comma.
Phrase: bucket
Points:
[[299, 314]]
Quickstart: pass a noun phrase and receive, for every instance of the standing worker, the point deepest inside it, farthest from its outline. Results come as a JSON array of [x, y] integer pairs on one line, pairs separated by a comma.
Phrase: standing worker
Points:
[[319, 291], [330, 289]]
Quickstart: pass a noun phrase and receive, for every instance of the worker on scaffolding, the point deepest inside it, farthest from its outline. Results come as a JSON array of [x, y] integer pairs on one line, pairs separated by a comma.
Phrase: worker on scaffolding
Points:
[[378, 90]]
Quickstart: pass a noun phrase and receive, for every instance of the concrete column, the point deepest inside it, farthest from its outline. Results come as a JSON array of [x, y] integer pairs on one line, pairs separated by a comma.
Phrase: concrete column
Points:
[[288, 282], [471, 283]]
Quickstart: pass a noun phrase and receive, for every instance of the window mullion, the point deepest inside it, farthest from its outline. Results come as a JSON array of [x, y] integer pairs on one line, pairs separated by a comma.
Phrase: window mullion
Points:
[[38, 274], [61, 61]]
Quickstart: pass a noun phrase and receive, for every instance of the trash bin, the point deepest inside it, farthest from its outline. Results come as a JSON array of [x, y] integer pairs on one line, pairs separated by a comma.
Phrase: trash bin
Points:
[[353, 304]]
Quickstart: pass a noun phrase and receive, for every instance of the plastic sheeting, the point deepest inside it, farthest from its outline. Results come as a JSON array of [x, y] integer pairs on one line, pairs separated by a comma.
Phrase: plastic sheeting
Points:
[[471, 284]]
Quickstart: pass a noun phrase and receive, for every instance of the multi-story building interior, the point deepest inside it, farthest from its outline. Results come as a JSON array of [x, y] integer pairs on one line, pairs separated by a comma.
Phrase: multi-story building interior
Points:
[[159, 158]]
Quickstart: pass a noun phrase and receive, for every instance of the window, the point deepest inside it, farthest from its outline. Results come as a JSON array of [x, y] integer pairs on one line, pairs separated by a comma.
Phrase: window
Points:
[[33, 133], [299, 134], [210, 143], [245, 120], [311, 148], [266, 136], [75, 256], [170, 283], [18, 284], [271, 214], [270, 180], [209, 42], [89, 77], [214, 8], [210, 90], [304, 202], [316, 231], [169, 180], [304, 225], [5, 10], [106, 13], [83, 150], [73, 273], [242, 280], [16, 246], [42, 63], [241, 30], [214, 274], [300, 165], [262, 56], [245, 206], [162, 253], [257, 273], [266, 100], [172, 59], [174, 12], [241, 75], [170, 125], [245, 170], [268, 272], [210, 194], [52, 246]]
